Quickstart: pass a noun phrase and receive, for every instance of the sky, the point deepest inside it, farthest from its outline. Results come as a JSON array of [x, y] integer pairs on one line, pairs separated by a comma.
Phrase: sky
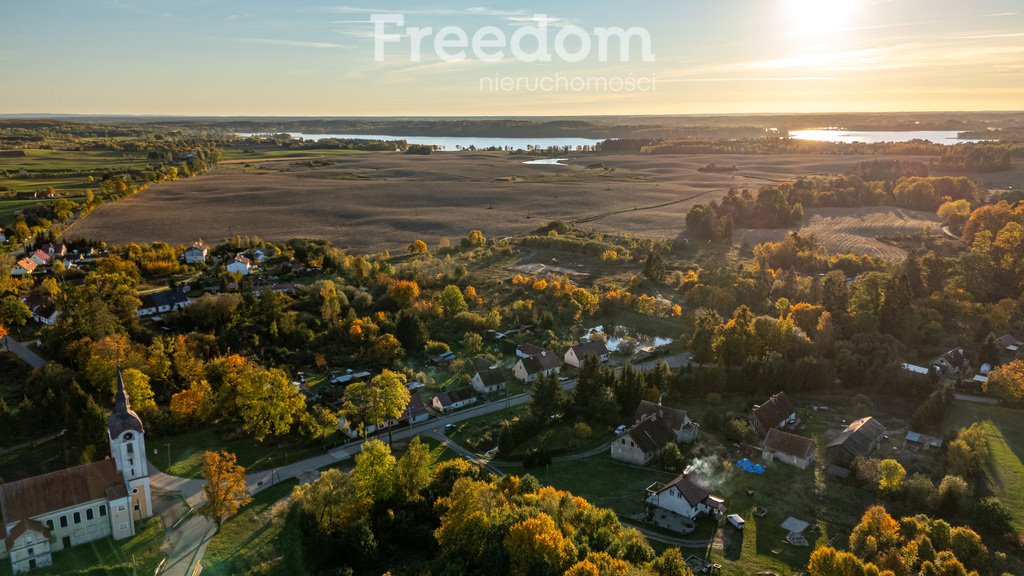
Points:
[[320, 58]]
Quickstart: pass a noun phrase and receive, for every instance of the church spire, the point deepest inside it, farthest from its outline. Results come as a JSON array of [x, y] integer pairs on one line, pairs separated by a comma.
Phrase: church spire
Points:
[[121, 402]]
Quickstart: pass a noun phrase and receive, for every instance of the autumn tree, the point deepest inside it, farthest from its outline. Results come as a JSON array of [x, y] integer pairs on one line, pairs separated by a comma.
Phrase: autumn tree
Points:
[[377, 402], [263, 398], [332, 500], [195, 404], [225, 485], [876, 534], [374, 474], [413, 471], [404, 292], [418, 247], [536, 546], [450, 301], [891, 475], [1007, 382], [136, 384]]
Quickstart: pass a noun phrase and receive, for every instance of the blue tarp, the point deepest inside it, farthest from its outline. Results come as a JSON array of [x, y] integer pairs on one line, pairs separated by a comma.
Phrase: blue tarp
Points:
[[747, 466]]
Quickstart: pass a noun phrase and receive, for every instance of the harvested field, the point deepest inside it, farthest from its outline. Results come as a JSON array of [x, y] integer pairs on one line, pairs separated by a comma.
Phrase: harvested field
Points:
[[840, 230], [375, 201]]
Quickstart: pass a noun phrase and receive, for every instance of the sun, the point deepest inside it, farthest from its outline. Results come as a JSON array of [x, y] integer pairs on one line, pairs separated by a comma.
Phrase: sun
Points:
[[819, 17]]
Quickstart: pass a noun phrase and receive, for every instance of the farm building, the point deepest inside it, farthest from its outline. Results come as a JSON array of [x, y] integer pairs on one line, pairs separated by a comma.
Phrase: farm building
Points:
[[1010, 343], [453, 400], [576, 354], [488, 381], [919, 441], [348, 377], [952, 363], [684, 497], [162, 303], [914, 369], [777, 412], [532, 368], [859, 439], [196, 253], [789, 448]]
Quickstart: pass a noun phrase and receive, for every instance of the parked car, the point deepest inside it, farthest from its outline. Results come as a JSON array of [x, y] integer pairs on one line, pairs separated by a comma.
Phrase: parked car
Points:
[[620, 430], [737, 521]]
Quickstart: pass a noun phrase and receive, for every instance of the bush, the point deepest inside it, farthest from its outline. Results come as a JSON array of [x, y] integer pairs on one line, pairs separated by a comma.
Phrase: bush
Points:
[[536, 458]]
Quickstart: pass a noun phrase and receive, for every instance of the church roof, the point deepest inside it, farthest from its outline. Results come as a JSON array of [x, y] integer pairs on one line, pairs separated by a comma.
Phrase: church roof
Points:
[[123, 418], [28, 498]]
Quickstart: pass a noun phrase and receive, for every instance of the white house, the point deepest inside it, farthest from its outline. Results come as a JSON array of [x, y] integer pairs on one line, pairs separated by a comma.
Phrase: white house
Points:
[[656, 427], [789, 448], [416, 411], [24, 267], [40, 258], [685, 498], [453, 400], [196, 253], [240, 265], [952, 363], [48, 513], [161, 303], [488, 381], [44, 310], [575, 355], [534, 367]]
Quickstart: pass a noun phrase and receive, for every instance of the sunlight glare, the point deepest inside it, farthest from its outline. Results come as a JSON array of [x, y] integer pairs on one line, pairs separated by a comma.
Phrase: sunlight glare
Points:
[[819, 17]]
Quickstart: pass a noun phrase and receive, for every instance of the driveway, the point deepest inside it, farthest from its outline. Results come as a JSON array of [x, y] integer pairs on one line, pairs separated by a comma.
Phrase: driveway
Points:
[[21, 351]]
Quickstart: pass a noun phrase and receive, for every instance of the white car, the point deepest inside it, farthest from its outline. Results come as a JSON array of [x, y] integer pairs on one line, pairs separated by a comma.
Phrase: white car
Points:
[[737, 521], [620, 430]]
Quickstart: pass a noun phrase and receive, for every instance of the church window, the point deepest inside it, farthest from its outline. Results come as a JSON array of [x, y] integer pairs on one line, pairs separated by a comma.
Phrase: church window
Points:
[[88, 514], [49, 524], [63, 521], [128, 436], [78, 517], [31, 552], [131, 448], [103, 510], [121, 508]]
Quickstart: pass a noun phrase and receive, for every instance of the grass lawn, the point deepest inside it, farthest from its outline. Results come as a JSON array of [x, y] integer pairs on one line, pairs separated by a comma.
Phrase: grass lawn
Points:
[[484, 430], [1004, 428], [601, 480], [249, 536], [187, 452], [9, 209], [138, 555]]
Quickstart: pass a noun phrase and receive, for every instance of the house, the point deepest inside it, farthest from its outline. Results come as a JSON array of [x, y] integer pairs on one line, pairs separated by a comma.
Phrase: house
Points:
[[575, 355], [161, 303], [240, 265], [913, 369], [535, 367], [643, 443], [348, 377], [259, 256], [1010, 343], [453, 400], [58, 250], [528, 350], [40, 258], [859, 439], [777, 412], [678, 422], [684, 497], [416, 411], [921, 441], [51, 512], [24, 267], [789, 448], [44, 309], [441, 360], [488, 381], [196, 253], [952, 363]]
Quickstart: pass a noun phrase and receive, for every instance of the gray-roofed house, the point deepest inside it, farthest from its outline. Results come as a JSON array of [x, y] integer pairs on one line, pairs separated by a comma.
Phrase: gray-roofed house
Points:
[[575, 355], [1010, 343], [656, 426], [792, 449], [488, 381], [777, 412], [859, 439], [161, 303], [453, 400], [532, 368]]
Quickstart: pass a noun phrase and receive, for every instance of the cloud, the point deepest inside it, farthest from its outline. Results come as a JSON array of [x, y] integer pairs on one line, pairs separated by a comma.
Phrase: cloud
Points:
[[289, 43]]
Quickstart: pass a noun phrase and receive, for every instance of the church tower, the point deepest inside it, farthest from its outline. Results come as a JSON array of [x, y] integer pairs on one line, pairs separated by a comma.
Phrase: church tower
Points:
[[128, 447]]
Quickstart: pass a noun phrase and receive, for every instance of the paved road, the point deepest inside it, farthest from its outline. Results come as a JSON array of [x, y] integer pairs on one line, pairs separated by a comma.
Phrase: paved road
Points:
[[21, 351]]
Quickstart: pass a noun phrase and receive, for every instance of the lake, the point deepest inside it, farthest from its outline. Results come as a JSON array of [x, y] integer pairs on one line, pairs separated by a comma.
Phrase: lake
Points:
[[457, 142], [875, 137], [547, 162], [626, 337]]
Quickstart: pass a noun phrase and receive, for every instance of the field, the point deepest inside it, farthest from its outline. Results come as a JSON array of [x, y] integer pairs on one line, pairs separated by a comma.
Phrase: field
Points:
[[857, 230], [1005, 470], [369, 202]]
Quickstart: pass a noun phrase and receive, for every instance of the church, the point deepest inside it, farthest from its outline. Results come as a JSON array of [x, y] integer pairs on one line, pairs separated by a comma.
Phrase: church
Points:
[[54, 511]]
